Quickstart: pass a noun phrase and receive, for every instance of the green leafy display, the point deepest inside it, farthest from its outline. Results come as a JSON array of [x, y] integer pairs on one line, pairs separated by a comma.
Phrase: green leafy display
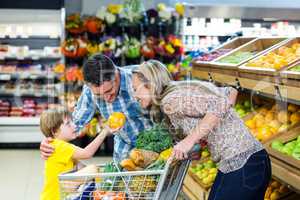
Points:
[[155, 139]]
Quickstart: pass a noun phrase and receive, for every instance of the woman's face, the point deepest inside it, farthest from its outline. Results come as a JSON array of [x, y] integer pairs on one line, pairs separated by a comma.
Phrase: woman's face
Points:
[[141, 92]]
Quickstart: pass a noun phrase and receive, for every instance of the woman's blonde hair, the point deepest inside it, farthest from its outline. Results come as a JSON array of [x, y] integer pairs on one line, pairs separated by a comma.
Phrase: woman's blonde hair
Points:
[[160, 82], [156, 77]]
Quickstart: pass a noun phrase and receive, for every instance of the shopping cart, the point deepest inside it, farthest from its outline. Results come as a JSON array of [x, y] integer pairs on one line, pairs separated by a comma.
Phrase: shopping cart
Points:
[[163, 184]]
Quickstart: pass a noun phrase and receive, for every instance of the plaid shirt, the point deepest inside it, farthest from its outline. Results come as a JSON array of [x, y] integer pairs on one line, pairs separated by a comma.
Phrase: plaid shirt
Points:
[[137, 119]]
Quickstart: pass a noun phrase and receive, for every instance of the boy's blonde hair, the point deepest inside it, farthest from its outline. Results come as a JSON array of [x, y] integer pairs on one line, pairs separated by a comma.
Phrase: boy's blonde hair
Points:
[[51, 120]]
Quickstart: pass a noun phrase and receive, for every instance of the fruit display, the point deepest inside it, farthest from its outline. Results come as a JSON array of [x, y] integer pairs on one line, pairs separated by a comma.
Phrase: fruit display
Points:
[[4, 108], [275, 191], [268, 122], [243, 108], [237, 57], [291, 148], [277, 59], [295, 68], [213, 55], [205, 171]]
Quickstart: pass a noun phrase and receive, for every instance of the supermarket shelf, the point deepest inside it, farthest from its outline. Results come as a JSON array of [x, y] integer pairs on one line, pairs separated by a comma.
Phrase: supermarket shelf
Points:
[[28, 37], [27, 94], [211, 10], [16, 121], [27, 75], [30, 58]]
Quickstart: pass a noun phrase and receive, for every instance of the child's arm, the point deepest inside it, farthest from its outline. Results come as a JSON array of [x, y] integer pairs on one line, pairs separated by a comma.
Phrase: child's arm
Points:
[[89, 150]]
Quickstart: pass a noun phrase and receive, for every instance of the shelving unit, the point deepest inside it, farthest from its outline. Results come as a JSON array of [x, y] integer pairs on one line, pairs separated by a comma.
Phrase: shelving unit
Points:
[[26, 129]]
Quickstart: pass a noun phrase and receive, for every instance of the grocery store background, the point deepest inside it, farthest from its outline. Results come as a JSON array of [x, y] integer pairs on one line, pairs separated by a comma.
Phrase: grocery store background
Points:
[[31, 81]]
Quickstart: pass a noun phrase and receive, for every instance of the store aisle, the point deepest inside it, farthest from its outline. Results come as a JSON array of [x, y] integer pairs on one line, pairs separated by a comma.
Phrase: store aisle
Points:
[[21, 174]]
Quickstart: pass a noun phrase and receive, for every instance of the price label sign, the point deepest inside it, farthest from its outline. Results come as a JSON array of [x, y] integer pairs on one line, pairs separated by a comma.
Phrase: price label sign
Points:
[[5, 77]]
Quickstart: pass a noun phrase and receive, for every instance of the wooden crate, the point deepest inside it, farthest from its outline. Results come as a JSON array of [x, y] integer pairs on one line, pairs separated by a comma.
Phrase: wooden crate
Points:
[[259, 45], [232, 44], [259, 73], [285, 173], [193, 190], [286, 137], [290, 78], [200, 72]]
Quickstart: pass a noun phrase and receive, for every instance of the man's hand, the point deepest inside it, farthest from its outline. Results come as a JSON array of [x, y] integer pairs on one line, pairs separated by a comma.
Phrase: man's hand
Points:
[[46, 148]]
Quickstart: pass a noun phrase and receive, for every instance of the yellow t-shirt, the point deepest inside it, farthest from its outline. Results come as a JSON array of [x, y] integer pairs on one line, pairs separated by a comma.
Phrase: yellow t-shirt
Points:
[[59, 162]]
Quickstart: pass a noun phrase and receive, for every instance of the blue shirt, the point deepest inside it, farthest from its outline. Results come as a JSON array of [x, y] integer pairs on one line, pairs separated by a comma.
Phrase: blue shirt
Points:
[[137, 119]]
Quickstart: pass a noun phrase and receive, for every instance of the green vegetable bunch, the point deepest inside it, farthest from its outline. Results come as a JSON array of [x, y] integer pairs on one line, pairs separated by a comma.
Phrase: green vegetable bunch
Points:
[[155, 139]]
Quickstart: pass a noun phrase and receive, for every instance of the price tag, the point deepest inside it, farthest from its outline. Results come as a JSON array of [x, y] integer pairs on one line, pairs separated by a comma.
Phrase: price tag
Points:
[[5, 77], [33, 76]]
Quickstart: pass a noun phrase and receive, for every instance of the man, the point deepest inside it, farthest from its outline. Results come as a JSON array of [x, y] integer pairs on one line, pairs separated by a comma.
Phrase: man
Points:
[[107, 89]]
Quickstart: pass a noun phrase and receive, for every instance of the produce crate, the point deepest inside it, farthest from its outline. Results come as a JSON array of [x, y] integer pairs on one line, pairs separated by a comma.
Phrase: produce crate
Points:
[[193, 190], [262, 73], [285, 173], [206, 187], [259, 46], [232, 44], [290, 78], [286, 137]]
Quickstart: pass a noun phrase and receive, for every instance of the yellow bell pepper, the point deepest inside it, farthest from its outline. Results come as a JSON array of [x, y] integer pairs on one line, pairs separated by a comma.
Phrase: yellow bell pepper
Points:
[[165, 155]]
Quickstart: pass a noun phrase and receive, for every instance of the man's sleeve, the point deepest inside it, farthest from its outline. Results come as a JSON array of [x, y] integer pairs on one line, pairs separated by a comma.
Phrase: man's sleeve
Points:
[[84, 110]]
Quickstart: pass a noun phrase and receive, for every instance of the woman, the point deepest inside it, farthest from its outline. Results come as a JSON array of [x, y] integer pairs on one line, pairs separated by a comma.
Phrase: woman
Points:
[[204, 112]]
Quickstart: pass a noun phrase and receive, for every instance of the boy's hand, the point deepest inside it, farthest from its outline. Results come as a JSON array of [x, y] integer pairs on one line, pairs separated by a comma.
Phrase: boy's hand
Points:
[[111, 131], [46, 149]]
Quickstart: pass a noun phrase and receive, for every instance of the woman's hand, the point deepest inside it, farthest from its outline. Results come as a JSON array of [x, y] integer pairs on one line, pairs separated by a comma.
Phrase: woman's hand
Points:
[[46, 148], [181, 150]]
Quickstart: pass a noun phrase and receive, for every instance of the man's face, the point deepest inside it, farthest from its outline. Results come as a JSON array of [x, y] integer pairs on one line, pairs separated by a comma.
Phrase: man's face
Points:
[[107, 91]]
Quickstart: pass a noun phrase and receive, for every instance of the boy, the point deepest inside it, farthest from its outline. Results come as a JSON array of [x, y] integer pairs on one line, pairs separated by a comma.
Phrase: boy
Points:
[[57, 124]]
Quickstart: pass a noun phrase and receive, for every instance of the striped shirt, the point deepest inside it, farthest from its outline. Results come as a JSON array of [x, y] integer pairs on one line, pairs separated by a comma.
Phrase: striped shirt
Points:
[[137, 119]]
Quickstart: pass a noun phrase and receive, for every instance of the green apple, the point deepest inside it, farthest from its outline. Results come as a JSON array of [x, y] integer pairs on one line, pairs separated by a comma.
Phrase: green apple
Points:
[[296, 153], [238, 106], [247, 104], [277, 145], [291, 145], [287, 150]]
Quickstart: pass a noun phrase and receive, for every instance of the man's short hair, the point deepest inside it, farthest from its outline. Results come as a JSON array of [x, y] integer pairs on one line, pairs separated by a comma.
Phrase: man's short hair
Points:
[[98, 68]]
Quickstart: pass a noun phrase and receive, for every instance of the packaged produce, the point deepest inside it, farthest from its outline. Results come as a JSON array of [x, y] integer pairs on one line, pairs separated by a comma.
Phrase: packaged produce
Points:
[[108, 195], [143, 158]]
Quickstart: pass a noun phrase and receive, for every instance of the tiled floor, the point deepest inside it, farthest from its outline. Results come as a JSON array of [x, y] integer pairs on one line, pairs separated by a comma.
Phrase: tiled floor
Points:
[[21, 174]]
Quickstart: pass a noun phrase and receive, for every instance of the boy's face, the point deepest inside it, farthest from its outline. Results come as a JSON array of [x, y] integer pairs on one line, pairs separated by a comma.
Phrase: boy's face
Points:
[[67, 130]]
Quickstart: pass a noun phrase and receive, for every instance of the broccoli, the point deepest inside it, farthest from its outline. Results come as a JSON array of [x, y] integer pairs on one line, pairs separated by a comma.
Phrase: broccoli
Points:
[[155, 139]]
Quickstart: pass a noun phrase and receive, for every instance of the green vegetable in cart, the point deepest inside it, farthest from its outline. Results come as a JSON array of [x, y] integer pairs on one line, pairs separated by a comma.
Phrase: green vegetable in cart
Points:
[[155, 139]]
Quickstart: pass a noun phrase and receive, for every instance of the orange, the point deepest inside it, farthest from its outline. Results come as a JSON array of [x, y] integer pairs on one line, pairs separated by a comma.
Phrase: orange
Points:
[[116, 120], [292, 107], [295, 118], [264, 133], [250, 124], [269, 116]]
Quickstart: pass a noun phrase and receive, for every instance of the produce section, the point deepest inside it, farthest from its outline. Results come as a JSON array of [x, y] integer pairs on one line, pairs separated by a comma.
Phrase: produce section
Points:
[[274, 122]]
